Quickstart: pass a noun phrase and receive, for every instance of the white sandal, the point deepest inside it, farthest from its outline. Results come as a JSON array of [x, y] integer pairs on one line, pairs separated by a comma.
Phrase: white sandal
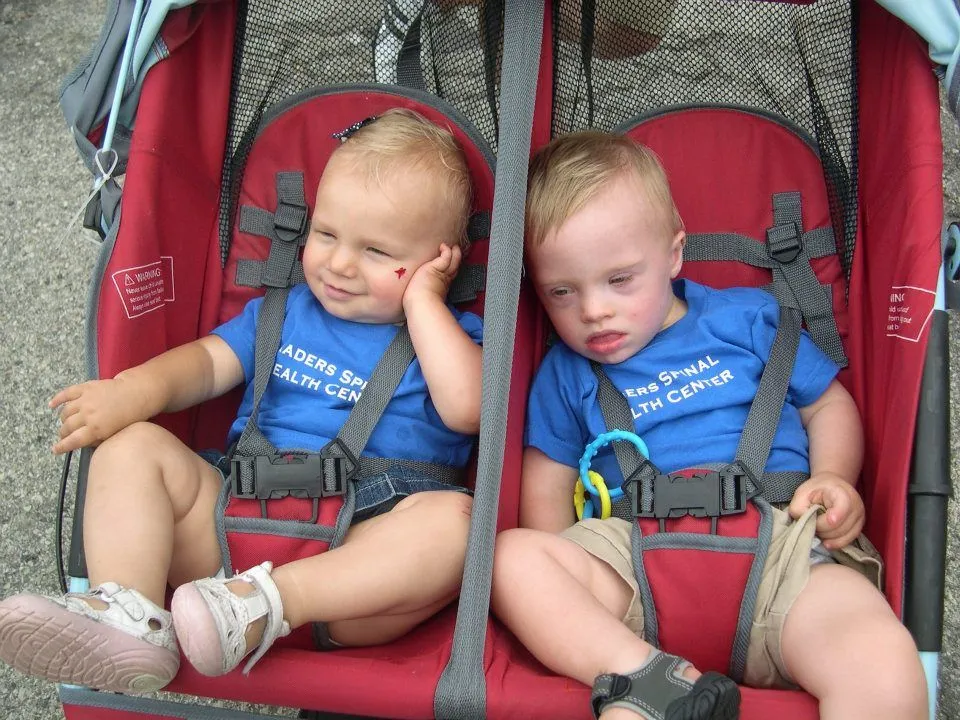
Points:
[[211, 621], [127, 647]]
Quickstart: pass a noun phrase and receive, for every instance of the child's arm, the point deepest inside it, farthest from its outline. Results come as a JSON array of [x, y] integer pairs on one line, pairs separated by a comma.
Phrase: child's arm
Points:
[[546, 493], [450, 360], [179, 378], [836, 455]]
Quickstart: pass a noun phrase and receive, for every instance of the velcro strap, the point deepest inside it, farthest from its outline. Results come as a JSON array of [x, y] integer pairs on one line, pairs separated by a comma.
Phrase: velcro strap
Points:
[[468, 284], [650, 689], [268, 604], [478, 226], [250, 273]]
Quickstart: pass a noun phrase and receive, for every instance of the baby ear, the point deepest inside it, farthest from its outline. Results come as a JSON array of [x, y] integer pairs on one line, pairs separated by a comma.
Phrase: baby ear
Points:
[[677, 243]]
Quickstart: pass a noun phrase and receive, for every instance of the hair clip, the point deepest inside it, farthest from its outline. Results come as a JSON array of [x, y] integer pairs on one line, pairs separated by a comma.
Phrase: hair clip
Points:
[[346, 133]]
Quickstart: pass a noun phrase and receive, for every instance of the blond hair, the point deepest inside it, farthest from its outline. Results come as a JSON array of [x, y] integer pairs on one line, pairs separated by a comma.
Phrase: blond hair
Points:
[[568, 172], [401, 139]]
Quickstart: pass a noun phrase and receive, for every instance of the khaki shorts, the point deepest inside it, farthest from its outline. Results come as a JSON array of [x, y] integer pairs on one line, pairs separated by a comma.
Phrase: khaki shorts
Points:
[[785, 574]]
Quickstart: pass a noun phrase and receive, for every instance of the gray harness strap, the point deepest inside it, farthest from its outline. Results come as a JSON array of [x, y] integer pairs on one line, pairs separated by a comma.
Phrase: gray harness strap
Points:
[[787, 254], [286, 229], [250, 273]]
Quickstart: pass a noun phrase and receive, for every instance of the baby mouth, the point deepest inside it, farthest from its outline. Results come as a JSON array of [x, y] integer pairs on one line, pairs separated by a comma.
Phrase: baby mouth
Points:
[[604, 343]]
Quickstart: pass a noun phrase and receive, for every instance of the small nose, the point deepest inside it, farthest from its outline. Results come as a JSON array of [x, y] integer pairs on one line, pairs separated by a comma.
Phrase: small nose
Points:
[[342, 261], [594, 307]]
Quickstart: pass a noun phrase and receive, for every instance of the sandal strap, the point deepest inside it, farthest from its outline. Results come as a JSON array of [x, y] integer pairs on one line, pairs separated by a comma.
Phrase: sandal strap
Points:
[[265, 603], [658, 691], [127, 610], [648, 690]]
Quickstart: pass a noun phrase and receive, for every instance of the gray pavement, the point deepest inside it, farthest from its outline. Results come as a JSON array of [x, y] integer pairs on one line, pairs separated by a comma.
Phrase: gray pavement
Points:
[[44, 273]]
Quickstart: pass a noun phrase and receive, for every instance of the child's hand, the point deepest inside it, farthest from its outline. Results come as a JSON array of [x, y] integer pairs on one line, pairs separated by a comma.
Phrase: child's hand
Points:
[[434, 278], [92, 412], [843, 519]]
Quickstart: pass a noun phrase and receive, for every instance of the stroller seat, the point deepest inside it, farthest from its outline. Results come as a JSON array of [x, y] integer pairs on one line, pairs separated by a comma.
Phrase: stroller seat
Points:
[[297, 136], [717, 192]]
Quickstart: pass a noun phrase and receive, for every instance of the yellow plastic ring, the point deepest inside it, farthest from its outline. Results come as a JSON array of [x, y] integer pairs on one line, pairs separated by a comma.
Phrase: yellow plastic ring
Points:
[[606, 506], [579, 500]]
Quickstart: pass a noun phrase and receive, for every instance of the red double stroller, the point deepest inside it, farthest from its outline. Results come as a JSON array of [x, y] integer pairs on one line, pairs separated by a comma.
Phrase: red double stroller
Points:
[[201, 105]]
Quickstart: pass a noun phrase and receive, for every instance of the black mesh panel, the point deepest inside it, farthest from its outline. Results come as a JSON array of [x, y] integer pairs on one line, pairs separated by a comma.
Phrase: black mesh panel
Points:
[[616, 59], [284, 47]]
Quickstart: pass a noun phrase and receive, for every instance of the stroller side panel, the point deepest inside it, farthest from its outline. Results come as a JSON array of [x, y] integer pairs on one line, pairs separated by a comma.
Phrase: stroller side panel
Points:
[[161, 270], [894, 278]]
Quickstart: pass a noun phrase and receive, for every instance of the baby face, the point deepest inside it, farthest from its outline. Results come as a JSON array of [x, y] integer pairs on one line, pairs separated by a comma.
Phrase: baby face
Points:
[[368, 237], [604, 276]]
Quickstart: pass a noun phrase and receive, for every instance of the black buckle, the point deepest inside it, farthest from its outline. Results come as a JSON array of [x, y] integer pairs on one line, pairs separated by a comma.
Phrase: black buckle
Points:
[[784, 242], [697, 496], [301, 475], [290, 221], [339, 466]]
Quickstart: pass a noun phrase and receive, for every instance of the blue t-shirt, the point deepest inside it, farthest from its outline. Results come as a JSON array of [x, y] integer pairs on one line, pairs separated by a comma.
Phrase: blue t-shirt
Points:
[[322, 365], [689, 390]]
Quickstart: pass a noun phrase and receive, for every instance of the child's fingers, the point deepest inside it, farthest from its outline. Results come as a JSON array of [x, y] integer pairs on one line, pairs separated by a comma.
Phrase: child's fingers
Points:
[[841, 536], [75, 440], [65, 395], [456, 255], [70, 425], [838, 505], [843, 533], [68, 410], [799, 504]]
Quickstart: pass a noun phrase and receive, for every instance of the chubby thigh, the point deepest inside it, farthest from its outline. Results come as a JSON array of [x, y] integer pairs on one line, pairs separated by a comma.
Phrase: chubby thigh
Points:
[[785, 575]]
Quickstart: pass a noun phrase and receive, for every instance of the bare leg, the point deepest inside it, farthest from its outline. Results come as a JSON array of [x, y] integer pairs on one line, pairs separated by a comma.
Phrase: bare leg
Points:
[[392, 572], [842, 643], [148, 516], [149, 512], [540, 581]]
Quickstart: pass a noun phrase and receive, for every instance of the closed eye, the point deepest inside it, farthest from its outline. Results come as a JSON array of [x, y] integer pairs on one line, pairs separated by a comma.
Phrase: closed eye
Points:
[[621, 279], [378, 251]]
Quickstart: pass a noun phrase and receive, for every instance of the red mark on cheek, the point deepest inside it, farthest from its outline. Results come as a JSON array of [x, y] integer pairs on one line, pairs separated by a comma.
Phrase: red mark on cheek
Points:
[[400, 272]]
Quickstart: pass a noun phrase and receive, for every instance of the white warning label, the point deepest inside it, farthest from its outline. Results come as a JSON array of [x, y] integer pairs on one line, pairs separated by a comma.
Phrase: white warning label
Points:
[[909, 311], [146, 287]]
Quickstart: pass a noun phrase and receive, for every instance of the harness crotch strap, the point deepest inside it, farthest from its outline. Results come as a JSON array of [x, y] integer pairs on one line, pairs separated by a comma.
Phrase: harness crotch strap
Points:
[[689, 569], [787, 253]]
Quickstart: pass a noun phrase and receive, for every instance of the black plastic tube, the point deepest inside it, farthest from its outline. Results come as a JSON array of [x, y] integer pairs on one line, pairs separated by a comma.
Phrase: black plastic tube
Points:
[[929, 491], [76, 560]]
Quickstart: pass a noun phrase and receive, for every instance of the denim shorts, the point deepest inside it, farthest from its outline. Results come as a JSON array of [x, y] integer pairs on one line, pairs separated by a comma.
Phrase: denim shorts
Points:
[[375, 494]]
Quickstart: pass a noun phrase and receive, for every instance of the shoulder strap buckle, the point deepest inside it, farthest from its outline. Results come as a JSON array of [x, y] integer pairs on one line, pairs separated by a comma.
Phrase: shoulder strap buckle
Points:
[[339, 467], [785, 242], [290, 221]]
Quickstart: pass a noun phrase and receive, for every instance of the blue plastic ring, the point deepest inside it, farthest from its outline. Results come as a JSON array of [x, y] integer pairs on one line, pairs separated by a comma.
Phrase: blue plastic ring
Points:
[[602, 440]]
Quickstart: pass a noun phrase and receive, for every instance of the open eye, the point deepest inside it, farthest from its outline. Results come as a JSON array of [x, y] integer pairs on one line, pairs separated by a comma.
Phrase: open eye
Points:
[[559, 292]]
